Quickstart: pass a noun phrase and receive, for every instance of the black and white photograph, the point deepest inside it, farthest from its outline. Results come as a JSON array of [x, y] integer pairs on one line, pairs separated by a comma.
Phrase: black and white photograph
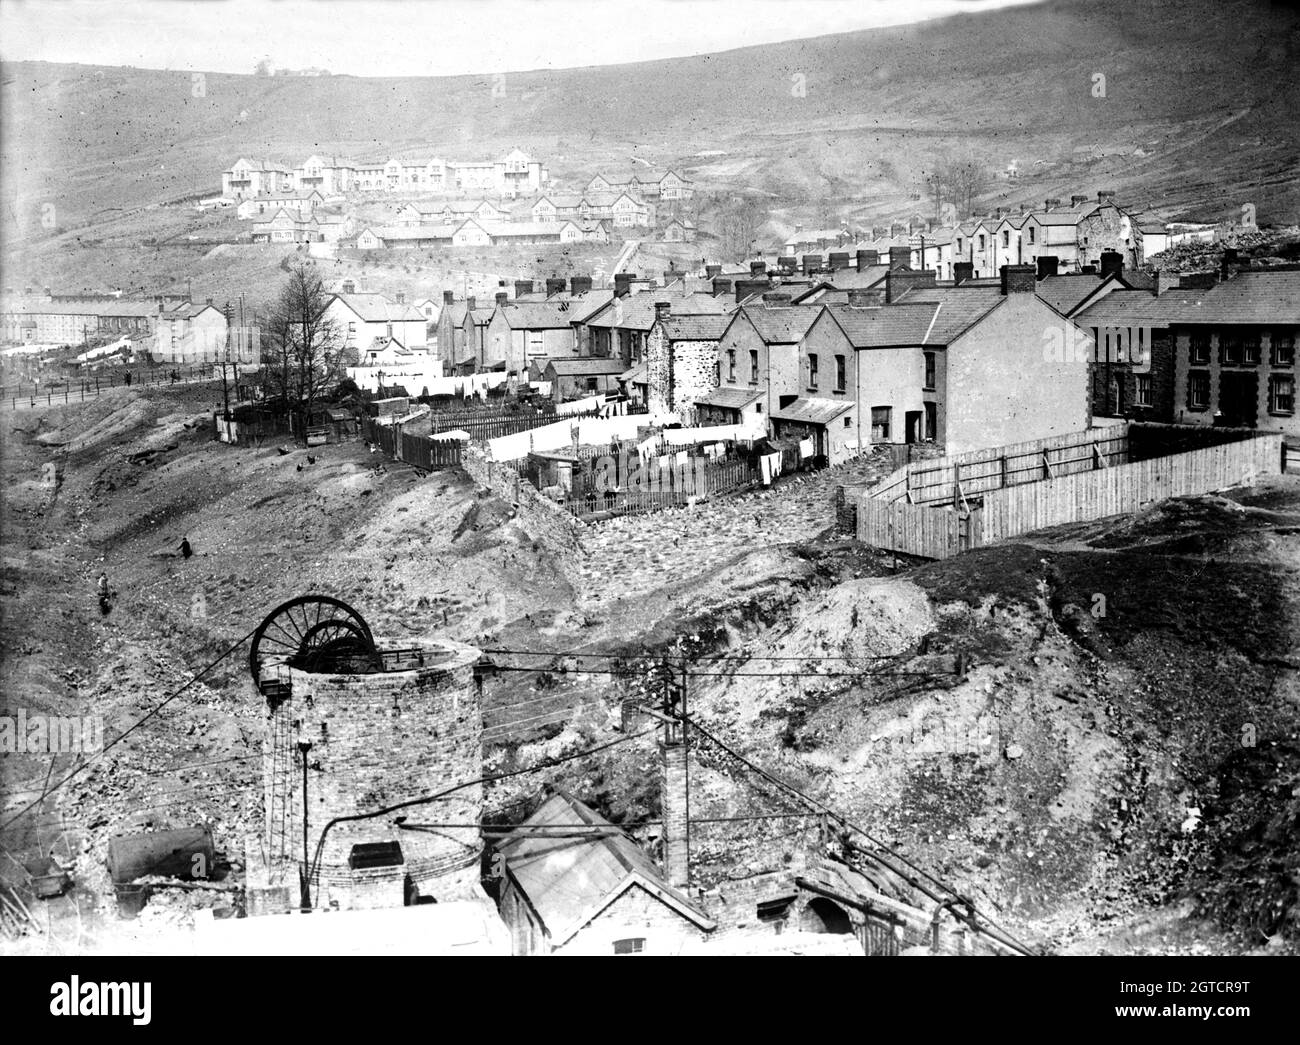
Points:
[[667, 478]]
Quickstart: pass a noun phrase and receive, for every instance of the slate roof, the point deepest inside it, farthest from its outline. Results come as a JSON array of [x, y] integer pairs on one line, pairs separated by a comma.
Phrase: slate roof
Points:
[[535, 316], [636, 376], [1257, 298], [569, 880], [375, 308], [1066, 292], [586, 366], [695, 328], [730, 398], [782, 326], [882, 326], [959, 307], [639, 309], [813, 411], [1123, 308]]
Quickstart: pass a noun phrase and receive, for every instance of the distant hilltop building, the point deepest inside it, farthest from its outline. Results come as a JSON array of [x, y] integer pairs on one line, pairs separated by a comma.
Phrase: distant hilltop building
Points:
[[515, 174]]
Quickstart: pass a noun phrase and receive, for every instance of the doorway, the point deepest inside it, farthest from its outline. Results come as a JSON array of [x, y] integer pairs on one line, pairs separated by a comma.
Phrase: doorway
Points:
[[1238, 399], [912, 424]]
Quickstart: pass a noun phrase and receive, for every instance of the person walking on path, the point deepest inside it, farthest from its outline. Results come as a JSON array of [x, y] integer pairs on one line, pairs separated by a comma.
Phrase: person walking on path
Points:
[[186, 550]]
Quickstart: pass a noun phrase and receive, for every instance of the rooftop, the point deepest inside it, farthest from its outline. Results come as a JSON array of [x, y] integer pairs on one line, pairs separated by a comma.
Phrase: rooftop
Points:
[[813, 411]]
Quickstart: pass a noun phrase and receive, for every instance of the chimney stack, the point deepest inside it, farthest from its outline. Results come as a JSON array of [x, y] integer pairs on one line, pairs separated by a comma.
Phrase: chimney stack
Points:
[[962, 271], [839, 259], [721, 286], [1226, 264], [811, 263], [1018, 279], [1105, 195], [868, 259], [1076, 201], [758, 269], [899, 281], [502, 297], [786, 264], [673, 802], [1048, 265], [470, 303], [580, 284], [712, 271], [748, 287], [663, 309], [554, 285], [863, 297], [1048, 204], [401, 297], [776, 300], [1112, 263], [448, 297], [900, 257], [622, 283], [522, 287]]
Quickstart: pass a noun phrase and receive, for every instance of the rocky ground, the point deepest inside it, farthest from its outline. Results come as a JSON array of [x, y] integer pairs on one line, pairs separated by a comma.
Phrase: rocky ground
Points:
[[1126, 781]]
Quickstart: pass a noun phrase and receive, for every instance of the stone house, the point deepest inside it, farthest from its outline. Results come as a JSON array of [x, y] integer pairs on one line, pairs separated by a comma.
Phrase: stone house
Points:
[[597, 893], [681, 359], [621, 327]]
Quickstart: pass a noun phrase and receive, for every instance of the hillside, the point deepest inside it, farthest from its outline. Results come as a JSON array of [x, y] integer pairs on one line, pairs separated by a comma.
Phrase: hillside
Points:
[[1053, 782], [879, 107]]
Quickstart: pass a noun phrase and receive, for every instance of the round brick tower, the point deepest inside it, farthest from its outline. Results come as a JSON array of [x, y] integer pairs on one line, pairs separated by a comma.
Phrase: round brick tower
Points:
[[370, 741]]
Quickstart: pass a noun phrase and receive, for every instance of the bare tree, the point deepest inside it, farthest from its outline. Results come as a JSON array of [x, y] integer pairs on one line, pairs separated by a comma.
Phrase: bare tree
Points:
[[739, 220], [304, 351], [958, 181]]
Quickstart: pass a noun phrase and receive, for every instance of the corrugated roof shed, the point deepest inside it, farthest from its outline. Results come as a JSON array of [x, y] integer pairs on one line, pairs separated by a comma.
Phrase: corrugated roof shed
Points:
[[812, 411], [569, 880]]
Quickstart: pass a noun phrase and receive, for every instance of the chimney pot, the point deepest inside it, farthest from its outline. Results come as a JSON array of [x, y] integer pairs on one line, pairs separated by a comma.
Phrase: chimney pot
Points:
[[962, 271]]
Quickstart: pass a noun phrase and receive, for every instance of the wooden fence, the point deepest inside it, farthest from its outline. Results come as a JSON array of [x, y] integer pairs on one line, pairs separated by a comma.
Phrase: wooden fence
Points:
[[419, 450], [672, 487], [984, 497]]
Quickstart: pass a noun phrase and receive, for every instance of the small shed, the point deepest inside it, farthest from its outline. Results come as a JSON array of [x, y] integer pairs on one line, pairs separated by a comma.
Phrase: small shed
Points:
[[826, 424], [576, 378]]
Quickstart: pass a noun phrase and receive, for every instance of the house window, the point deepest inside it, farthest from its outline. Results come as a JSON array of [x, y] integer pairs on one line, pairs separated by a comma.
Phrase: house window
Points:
[[1282, 352], [1142, 394], [880, 416], [1200, 348], [1198, 390], [981, 241], [753, 366], [1032, 230], [390, 329], [1281, 394], [840, 378], [591, 384], [812, 373], [1250, 349], [635, 945], [958, 244], [1006, 238], [929, 371], [848, 420], [352, 328], [731, 364], [1230, 348]]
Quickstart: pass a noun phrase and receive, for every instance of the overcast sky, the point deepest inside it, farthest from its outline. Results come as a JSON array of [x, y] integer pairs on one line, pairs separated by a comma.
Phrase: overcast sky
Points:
[[426, 37]]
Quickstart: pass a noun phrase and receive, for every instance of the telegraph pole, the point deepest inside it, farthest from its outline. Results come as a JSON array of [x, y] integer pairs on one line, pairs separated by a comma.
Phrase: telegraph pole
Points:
[[225, 389], [303, 747]]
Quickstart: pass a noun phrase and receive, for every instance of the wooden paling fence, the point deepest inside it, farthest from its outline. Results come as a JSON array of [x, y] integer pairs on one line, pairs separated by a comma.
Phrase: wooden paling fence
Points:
[[672, 487], [942, 507]]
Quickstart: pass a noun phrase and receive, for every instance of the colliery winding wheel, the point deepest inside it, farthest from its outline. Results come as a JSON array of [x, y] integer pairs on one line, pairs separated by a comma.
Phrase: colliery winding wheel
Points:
[[315, 633]]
